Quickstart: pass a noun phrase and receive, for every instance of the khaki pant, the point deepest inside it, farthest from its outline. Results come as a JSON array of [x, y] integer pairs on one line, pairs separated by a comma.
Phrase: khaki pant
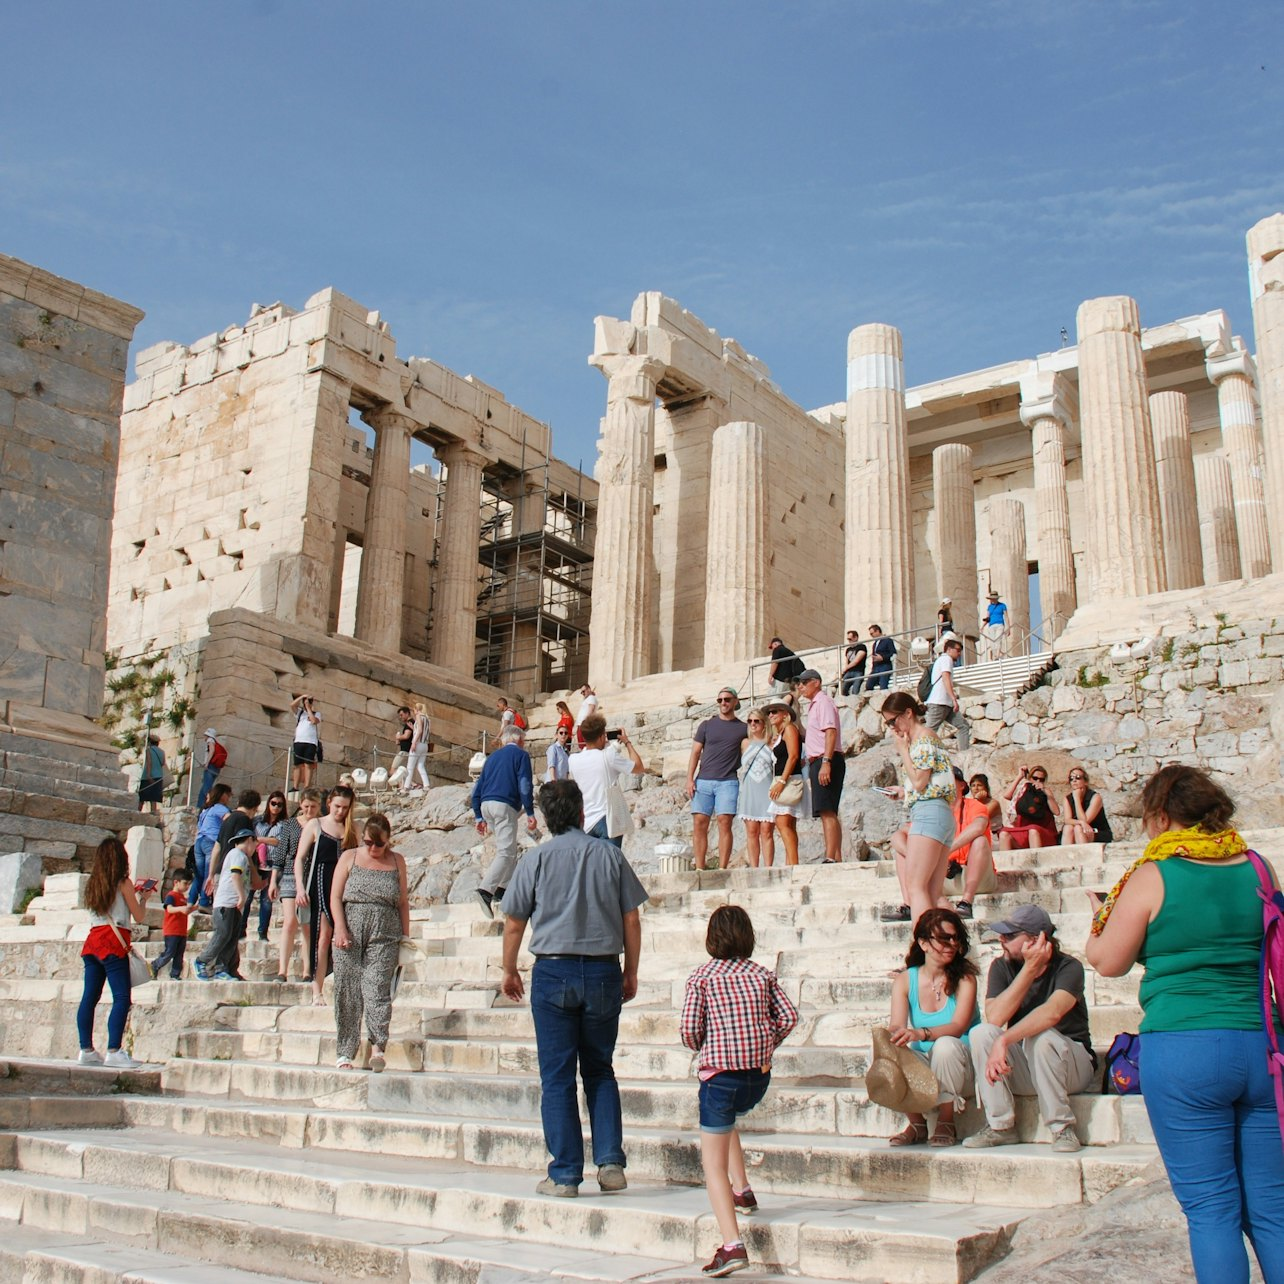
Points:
[[951, 1062], [502, 822], [1048, 1066]]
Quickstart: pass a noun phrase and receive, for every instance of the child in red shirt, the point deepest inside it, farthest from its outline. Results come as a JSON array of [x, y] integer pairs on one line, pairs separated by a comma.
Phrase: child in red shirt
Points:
[[174, 927]]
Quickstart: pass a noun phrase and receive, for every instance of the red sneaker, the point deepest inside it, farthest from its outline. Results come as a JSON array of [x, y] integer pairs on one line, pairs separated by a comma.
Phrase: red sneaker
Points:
[[727, 1260], [745, 1201]]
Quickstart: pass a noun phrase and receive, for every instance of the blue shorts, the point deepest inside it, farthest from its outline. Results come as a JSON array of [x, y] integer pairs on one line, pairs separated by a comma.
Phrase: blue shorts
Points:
[[933, 818], [728, 1095], [715, 797]]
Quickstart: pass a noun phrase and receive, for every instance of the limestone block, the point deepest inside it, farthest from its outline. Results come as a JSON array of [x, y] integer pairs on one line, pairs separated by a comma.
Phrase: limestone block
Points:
[[146, 851], [19, 873]]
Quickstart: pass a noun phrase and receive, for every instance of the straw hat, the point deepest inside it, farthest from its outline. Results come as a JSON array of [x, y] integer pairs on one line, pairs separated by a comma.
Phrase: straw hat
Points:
[[779, 706], [899, 1078]]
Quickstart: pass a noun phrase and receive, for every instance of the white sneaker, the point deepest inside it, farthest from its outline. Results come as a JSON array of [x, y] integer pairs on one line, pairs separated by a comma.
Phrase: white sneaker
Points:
[[121, 1060], [88, 1057]]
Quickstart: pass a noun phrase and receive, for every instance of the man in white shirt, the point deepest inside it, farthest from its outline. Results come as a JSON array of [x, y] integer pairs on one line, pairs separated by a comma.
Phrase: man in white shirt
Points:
[[942, 702], [595, 770], [587, 709]]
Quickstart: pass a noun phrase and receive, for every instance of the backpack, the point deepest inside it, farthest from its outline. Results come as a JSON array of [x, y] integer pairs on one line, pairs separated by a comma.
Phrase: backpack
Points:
[[925, 683], [518, 721], [1272, 974], [1123, 1064], [218, 757]]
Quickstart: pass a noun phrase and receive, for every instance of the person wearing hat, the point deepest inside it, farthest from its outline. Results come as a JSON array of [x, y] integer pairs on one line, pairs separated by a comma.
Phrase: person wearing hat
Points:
[[220, 960], [713, 777], [933, 1009], [994, 626], [786, 748], [855, 654], [826, 766], [1035, 1039], [215, 757]]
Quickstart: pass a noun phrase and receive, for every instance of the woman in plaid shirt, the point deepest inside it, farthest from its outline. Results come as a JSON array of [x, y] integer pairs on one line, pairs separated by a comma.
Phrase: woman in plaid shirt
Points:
[[735, 1015]]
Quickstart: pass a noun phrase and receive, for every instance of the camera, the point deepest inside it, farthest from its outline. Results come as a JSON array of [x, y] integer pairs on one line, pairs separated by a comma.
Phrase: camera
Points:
[[614, 733]]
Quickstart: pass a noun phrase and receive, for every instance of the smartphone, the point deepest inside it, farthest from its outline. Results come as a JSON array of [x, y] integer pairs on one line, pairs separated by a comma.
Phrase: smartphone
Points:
[[145, 885], [613, 735], [1101, 896], [879, 789]]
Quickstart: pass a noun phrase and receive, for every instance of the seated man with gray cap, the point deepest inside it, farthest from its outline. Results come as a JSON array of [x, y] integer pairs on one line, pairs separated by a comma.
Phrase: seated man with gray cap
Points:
[[1035, 1039]]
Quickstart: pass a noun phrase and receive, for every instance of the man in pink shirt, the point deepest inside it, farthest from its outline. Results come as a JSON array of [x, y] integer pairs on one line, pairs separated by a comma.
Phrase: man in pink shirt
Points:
[[826, 766]]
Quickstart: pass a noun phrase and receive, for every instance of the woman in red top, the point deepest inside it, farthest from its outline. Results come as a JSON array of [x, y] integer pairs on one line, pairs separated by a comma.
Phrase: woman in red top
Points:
[[111, 901], [564, 718]]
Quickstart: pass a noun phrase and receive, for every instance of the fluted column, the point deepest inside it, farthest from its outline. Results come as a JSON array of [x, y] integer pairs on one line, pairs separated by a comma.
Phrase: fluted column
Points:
[[879, 585], [736, 575], [623, 586], [1266, 280], [1009, 565], [454, 636], [955, 504], [383, 550], [1124, 554], [1218, 538], [1048, 407], [1175, 477], [1234, 375]]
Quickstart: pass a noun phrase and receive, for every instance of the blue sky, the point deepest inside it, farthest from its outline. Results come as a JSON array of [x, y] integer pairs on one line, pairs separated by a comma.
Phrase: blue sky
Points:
[[490, 176]]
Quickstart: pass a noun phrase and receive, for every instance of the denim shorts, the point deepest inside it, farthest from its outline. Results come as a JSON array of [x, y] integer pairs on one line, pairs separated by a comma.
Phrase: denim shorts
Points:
[[728, 1095], [715, 797], [933, 818]]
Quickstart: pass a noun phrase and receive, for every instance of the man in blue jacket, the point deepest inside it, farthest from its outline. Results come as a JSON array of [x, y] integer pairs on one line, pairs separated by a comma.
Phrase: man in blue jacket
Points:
[[503, 789]]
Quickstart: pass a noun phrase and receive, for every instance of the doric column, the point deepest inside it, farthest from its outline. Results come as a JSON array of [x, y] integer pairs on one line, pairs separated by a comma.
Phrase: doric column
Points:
[[1218, 539], [454, 613], [1233, 373], [1124, 554], [1009, 566], [383, 548], [623, 588], [1266, 280], [879, 586], [736, 577], [1175, 477], [1048, 406], [955, 504]]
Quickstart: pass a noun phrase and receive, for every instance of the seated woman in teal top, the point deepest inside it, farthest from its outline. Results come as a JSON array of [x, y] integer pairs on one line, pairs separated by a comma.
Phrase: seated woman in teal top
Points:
[[1188, 909], [933, 1008]]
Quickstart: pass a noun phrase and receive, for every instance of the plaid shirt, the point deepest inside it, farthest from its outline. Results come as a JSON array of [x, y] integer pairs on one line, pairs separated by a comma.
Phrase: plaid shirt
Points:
[[736, 1015]]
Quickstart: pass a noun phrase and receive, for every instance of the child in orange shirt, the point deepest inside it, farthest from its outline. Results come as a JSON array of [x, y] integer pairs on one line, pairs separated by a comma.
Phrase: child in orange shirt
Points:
[[174, 927]]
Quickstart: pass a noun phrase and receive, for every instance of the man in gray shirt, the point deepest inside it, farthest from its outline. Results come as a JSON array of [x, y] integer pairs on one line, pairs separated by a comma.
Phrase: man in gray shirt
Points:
[[713, 777], [581, 898]]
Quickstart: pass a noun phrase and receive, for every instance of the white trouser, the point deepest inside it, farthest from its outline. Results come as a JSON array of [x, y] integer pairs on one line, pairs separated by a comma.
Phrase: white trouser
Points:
[[415, 763], [1048, 1066], [501, 819], [951, 1062]]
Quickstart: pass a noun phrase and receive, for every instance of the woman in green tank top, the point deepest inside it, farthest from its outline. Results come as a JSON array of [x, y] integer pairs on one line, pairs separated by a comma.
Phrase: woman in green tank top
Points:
[[1188, 910]]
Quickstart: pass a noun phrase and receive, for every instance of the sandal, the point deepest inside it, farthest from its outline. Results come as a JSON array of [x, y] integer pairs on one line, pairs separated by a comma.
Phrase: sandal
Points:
[[377, 1060], [343, 1063], [910, 1135], [944, 1135]]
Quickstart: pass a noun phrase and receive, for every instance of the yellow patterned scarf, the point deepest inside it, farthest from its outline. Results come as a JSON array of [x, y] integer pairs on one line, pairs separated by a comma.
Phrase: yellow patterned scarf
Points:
[[1194, 843]]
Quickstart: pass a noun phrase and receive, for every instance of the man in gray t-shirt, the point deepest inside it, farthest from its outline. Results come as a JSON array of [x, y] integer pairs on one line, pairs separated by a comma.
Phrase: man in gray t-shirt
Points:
[[713, 776], [581, 899]]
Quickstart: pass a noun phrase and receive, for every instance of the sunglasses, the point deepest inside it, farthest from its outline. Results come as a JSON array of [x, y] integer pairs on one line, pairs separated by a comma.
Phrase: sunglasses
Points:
[[891, 722], [946, 940], [370, 842], [726, 699], [1039, 780], [754, 722], [1077, 777]]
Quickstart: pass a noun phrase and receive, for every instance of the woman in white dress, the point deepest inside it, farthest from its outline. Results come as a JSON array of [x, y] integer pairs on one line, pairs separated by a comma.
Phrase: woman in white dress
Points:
[[757, 766]]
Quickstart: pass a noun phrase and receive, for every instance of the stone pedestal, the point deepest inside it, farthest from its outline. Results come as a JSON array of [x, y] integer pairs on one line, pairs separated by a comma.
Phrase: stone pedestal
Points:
[[381, 589], [1123, 551], [1048, 406], [955, 504], [1234, 375], [454, 635], [623, 588], [736, 582], [879, 587], [1218, 539], [1175, 476], [1266, 280], [1009, 567]]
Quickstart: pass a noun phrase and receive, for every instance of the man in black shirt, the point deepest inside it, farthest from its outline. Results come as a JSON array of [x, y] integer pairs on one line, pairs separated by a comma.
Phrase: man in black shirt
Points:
[[785, 668], [854, 656], [1035, 1040]]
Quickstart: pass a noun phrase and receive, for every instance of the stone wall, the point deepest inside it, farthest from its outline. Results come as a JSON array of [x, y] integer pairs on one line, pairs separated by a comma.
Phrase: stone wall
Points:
[[62, 369]]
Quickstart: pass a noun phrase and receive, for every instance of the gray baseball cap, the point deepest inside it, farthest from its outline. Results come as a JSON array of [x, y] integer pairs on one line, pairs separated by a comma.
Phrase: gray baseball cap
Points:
[[809, 675], [1025, 918]]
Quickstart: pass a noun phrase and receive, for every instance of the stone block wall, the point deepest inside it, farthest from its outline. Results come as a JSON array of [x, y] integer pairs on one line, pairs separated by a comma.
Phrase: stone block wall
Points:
[[62, 368]]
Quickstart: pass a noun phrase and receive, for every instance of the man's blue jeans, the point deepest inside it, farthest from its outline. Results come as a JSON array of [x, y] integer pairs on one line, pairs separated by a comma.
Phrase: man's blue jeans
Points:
[[576, 1007], [880, 675], [1212, 1106]]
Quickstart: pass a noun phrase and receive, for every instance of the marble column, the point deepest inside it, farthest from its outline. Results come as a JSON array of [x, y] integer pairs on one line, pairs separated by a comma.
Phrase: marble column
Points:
[[1048, 407], [1175, 477], [1124, 556], [1009, 567], [1234, 375], [879, 585], [735, 609], [623, 583], [1218, 538], [381, 588], [454, 612], [1266, 281], [955, 505]]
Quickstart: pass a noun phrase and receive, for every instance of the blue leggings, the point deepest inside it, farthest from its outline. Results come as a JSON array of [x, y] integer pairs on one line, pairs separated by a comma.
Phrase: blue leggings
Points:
[[113, 969], [1212, 1106]]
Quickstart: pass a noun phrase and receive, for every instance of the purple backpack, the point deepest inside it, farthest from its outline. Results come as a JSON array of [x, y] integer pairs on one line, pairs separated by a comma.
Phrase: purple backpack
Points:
[[1272, 976], [1123, 1064]]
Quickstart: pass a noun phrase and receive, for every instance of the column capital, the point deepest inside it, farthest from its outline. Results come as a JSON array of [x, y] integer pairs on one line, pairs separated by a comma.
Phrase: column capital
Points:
[[389, 417], [1231, 363], [1047, 394], [631, 373], [461, 454]]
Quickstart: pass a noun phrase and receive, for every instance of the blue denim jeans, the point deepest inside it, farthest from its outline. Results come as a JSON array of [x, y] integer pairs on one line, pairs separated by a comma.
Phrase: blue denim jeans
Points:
[[599, 831], [880, 675], [197, 890], [207, 783], [113, 968], [1212, 1106], [576, 1007]]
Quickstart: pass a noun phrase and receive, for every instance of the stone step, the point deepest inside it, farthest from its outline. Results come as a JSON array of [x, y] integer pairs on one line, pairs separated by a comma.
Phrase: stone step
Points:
[[365, 1215]]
